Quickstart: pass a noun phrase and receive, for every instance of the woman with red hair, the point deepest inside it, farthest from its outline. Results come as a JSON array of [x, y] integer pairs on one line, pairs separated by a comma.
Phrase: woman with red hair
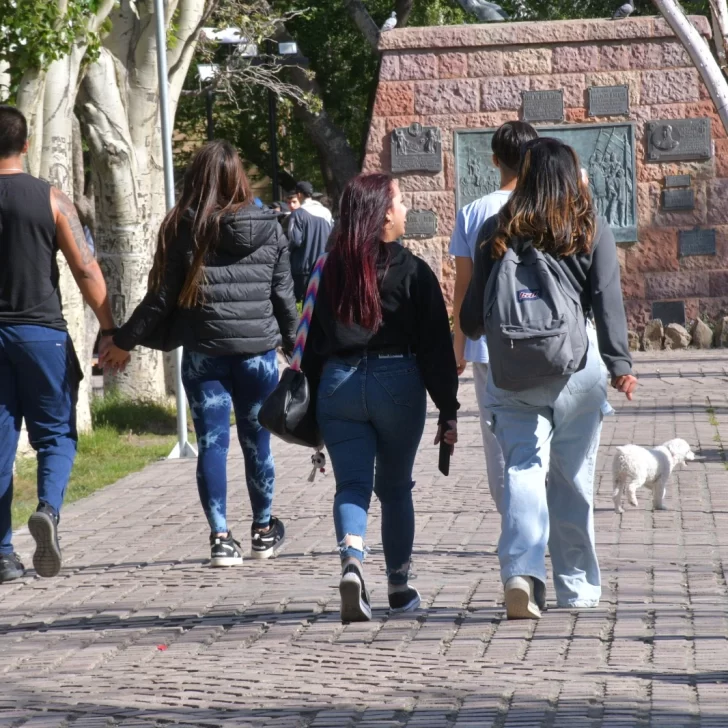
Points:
[[379, 340]]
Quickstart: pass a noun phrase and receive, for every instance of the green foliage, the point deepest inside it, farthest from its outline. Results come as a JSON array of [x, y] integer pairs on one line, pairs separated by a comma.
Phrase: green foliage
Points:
[[35, 33]]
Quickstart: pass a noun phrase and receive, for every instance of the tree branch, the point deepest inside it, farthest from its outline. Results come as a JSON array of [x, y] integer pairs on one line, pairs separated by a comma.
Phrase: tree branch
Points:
[[101, 14], [360, 15], [719, 17]]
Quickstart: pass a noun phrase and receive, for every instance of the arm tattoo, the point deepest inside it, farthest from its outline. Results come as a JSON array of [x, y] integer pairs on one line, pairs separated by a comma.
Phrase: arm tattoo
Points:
[[68, 210]]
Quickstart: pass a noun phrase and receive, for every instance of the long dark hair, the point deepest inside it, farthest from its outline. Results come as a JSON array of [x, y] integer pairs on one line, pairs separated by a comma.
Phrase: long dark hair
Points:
[[351, 269], [214, 184], [551, 205]]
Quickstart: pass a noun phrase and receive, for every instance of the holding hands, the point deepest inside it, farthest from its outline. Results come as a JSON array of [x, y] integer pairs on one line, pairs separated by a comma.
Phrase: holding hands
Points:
[[111, 357]]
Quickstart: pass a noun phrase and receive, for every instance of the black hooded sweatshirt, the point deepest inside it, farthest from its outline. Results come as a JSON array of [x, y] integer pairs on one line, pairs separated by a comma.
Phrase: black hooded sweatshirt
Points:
[[414, 319], [246, 305]]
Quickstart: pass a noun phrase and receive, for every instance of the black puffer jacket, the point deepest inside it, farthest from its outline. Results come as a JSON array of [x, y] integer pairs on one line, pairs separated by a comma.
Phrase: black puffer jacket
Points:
[[247, 304]]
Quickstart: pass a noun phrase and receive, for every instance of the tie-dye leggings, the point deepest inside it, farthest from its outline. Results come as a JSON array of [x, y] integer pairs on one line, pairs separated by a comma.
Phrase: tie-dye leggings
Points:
[[214, 385]]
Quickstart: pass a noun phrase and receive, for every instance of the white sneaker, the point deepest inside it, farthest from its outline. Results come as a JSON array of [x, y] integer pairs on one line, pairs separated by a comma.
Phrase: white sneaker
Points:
[[520, 602]]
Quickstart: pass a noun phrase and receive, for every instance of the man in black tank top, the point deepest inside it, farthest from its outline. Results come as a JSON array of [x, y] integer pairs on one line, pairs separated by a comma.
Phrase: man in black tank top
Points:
[[39, 371]]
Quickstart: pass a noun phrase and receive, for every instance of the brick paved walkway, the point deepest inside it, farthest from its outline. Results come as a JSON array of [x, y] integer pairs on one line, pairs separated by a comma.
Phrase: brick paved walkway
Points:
[[137, 632]]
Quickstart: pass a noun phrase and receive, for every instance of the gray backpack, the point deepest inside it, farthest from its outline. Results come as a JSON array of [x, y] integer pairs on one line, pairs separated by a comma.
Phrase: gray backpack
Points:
[[534, 322]]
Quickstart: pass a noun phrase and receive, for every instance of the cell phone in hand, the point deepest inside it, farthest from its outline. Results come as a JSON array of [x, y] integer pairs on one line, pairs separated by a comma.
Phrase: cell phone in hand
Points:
[[445, 452]]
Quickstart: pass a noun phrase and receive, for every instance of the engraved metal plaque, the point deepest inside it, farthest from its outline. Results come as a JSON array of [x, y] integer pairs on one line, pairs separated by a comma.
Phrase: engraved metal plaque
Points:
[[680, 198], [696, 242], [416, 148], [608, 100], [678, 180], [543, 105], [679, 140], [606, 151], [421, 224], [669, 312]]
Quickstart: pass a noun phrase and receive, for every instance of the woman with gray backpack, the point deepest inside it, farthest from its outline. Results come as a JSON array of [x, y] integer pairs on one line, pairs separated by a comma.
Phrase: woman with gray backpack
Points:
[[542, 265]]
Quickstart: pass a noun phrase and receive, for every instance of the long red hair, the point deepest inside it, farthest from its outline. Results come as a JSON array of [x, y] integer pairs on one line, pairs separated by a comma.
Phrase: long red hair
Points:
[[352, 283]]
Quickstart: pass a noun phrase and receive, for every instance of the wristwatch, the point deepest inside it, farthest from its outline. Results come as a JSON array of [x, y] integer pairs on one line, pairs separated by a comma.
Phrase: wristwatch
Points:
[[109, 332]]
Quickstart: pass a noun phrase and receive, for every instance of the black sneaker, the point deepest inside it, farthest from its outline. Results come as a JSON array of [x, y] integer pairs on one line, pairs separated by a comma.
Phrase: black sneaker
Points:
[[11, 567], [225, 551], [265, 544], [355, 605], [404, 601], [43, 526]]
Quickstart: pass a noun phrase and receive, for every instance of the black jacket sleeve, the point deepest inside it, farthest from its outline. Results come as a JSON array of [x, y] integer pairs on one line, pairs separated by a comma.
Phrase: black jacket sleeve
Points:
[[435, 354], [607, 304], [471, 312], [156, 306], [284, 301]]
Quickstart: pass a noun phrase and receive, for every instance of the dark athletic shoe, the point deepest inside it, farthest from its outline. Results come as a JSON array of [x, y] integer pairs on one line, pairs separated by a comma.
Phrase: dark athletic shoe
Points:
[[43, 526], [225, 551], [404, 601], [265, 544], [11, 567], [354, 599]]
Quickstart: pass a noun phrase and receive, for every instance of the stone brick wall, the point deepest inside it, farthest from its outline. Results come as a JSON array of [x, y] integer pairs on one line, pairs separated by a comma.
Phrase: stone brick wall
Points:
[[472, 76]]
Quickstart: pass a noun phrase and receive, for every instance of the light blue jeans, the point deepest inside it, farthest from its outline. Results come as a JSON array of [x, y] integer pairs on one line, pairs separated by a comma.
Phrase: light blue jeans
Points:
[[372, 414], [551, 431]]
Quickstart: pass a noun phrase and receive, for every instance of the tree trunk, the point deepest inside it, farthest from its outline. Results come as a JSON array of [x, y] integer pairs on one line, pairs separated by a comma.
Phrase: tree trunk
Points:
[[120, 113], [719, 17], [403, 8], [128, 214], [57, 167], [700, 53], [4, 82], [360, 15], [340, 161]]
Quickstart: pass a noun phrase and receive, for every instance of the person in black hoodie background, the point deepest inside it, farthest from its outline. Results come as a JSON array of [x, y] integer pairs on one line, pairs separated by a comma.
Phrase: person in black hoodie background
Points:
[[379, 339], [221, 284]]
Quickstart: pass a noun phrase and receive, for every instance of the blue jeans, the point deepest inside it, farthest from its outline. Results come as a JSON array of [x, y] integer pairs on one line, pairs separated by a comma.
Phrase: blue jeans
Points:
[[551, 430], [372, 414], [214, 385], [39, 377]]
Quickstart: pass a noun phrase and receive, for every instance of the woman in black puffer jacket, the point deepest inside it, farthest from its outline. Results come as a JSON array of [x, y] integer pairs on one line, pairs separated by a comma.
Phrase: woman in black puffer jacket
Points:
[[221, 286]]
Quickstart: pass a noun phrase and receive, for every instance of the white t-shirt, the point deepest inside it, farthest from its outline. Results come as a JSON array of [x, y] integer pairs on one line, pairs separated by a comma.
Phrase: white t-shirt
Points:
[[462, 245]]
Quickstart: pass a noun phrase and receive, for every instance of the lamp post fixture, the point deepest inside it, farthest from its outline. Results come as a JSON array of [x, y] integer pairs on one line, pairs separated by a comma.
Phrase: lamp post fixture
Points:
[[286, 50]]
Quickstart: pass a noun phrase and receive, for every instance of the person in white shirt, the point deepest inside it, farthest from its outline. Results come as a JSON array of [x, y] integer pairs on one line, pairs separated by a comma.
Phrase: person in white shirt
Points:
[[506, 145]]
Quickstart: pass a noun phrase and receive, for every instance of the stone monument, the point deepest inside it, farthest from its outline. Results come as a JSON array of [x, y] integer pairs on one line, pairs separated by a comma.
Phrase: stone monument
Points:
[[624, 94]]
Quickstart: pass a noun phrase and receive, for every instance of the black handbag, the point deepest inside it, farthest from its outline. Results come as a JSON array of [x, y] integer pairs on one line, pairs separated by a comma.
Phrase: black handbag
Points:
[[289, 412]]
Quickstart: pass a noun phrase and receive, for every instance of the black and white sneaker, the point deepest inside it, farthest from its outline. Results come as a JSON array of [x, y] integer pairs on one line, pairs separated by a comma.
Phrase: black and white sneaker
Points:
[[404, 601], [355, 605], [265, 544], [11, 567], [225, 551], [43, 527]]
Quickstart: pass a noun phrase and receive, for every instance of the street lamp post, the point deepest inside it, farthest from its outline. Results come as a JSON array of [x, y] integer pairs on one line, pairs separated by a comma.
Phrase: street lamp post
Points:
[[288, 50]]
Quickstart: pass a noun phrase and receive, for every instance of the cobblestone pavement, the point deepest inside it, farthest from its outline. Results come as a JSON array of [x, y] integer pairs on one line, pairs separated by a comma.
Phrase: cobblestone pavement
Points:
[[138, 632]]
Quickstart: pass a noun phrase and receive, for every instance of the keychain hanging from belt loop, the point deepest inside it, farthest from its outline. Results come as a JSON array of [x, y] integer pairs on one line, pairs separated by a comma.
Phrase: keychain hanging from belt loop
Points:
[[318, 460]]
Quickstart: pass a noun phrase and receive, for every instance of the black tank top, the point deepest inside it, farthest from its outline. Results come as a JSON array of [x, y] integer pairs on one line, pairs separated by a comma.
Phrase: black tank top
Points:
[[28, 268]]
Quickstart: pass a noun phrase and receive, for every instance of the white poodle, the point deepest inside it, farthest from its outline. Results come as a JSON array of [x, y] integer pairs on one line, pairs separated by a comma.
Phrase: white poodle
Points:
[[635, 466]]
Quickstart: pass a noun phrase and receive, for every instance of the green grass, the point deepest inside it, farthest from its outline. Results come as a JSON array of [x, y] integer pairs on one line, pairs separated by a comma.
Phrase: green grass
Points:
[[127, 436]]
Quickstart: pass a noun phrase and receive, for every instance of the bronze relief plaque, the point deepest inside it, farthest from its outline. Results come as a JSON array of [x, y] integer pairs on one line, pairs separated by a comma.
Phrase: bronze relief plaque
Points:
[[679, 140], [416, 148], [606, 152]]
